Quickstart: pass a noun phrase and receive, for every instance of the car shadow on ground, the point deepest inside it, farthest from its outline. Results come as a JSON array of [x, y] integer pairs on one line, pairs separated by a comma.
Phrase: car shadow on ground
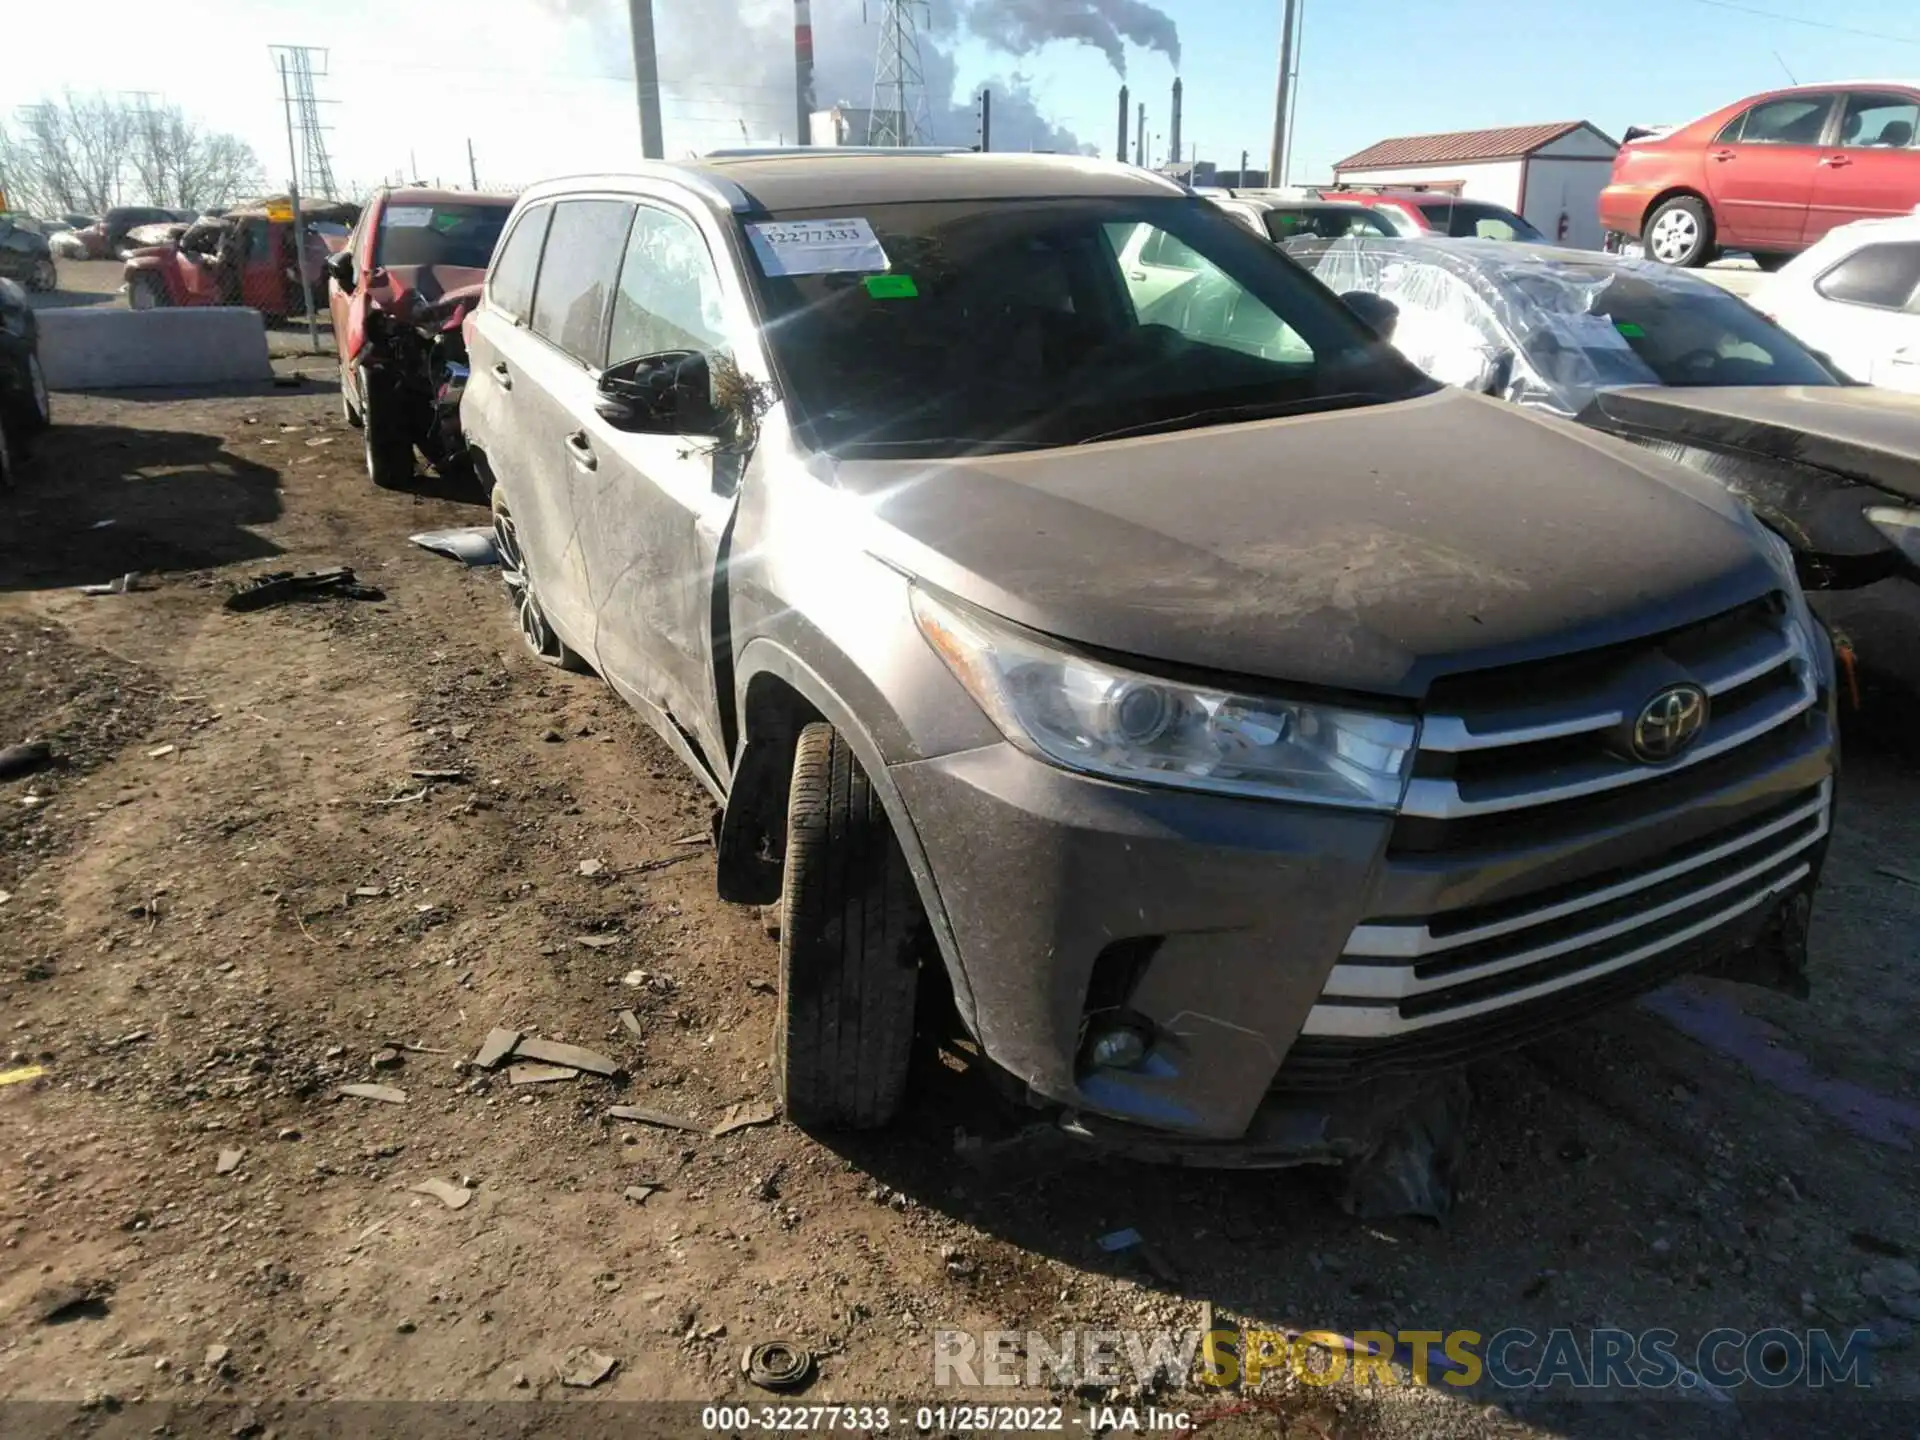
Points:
[[96, 502], [1594, 1161]]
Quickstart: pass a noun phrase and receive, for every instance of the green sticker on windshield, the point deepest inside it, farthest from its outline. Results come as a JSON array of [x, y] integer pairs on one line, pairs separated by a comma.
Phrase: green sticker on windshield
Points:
[[892, 287], [1630, 330]]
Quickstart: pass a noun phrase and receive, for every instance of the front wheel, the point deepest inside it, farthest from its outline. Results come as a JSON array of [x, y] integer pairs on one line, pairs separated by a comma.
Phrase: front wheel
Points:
[[389, 448], [1680, 233], [851, 936], [146, 292], [535, 629], [39, 413], [348, 412]]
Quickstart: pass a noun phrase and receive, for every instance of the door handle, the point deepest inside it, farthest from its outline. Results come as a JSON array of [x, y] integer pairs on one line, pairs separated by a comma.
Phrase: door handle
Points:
[[502, 375], [1721, 155], [580, 452], [1836, 161]]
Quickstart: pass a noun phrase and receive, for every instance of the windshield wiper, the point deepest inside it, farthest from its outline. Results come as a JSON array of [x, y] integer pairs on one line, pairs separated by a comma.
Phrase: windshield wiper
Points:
[[1261, 410]]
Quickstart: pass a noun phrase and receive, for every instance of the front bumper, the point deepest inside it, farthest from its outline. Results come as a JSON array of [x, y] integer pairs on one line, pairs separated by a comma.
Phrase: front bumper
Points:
[[1280, 955]]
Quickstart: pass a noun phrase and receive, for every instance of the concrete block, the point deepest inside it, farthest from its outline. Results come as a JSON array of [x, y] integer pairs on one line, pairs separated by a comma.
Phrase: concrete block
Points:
[[113, 349]]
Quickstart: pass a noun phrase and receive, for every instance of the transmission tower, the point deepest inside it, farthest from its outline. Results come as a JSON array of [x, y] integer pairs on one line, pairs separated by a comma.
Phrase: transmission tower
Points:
[[302, 65], [899, 115]]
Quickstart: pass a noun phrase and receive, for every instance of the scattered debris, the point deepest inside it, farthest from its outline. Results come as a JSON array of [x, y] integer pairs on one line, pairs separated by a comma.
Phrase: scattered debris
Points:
[[763, 987], [1157, 1263], [21, 1074], [590, 868], [1119, 1240], [639, 1193], [1893, 872], [496, 1047], [738, 1118], [25, 758], [218, 1355], [454, 1197], [634, 979], [575, 1057], [444, 777], [539, 1074], [366, 892], [385, 1058], [777, 1365], [60, 1303], [632, 1022], [384, 1093], [654, 1117], [160, 752], [125, 585], [583, 1368], [597, 942], [471, 545], [284, 585], [317, 441], [229, 1161], [699, 837]]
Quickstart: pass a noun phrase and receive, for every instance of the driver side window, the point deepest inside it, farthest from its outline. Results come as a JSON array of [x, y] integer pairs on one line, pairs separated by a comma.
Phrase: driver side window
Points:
[[670, 297], [1188, 293]]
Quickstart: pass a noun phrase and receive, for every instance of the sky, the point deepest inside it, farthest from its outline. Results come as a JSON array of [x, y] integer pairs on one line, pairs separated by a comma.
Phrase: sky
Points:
[[543, 87]]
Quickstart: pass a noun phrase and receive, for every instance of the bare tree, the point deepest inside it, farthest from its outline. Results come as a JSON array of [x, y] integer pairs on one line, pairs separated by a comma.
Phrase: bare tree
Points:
[[88, 153]]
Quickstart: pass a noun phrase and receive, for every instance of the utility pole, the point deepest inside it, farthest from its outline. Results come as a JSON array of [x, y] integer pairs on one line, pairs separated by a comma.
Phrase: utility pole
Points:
[[473, 170], [899, 115], [646, 79], [1277, 156], [803, 68], [293, 200], [300, 65], [986, 119], [1140, 138]]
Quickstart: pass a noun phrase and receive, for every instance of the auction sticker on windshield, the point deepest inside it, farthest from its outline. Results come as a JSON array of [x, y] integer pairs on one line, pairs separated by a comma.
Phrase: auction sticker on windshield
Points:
[[407, 217], [816, 247]]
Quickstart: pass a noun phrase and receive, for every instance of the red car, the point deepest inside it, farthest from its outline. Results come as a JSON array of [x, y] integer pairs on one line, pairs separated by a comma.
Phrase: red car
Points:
[[245, 257], [1436, 212], [1770, 174], [401, 286]]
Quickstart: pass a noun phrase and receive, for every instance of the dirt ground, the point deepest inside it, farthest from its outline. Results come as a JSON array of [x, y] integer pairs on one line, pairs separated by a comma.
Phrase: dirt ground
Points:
[[247, 875]]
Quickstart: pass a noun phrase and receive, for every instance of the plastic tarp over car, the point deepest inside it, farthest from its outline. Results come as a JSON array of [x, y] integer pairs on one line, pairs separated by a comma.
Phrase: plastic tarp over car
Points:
[[1509, 320]]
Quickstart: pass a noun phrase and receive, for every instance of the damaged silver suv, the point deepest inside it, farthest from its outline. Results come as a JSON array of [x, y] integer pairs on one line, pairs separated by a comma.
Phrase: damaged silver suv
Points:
[[1073, 605]]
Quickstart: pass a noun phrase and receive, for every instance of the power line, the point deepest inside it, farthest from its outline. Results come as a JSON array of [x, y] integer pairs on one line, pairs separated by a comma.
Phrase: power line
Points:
[[1811, 24]]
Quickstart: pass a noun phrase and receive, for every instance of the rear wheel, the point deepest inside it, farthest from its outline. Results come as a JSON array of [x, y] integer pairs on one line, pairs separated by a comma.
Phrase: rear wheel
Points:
[[851, 936], [43, 276], [146, 292], [39, 402], [389, 448], [1771, 261], [529, 616], [1680, 232]]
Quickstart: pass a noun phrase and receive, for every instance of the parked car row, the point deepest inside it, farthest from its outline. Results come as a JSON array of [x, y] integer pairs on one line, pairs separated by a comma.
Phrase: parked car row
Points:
[[1084, 618]]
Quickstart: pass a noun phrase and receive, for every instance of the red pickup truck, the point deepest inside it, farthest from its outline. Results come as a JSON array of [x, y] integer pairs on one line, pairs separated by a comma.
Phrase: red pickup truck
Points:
[[245, 257]]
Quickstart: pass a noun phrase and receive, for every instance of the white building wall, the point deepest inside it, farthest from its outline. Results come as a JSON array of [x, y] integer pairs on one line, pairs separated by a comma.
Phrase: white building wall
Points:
[[1571, 188], [1495, 181]]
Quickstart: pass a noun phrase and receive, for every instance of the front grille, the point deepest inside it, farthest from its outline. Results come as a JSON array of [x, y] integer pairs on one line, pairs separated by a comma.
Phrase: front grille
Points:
[[1396, 978]]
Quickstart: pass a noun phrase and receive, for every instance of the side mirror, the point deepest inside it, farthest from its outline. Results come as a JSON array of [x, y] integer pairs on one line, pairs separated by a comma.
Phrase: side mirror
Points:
[[1499, 375], [340, 266], [1376, 312], [670, 393]]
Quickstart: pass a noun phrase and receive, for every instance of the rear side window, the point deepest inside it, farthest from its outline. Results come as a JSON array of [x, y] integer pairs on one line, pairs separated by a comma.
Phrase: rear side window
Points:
[[577, 274], [511, 284], [1879, 122], [1886, 277], [1794, 120]]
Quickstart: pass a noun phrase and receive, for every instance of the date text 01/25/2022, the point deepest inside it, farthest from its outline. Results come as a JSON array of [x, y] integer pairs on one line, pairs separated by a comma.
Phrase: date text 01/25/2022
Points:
[[947, 1419]]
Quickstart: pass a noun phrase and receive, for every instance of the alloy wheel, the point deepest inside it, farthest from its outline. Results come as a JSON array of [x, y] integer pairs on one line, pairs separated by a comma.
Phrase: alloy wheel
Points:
[[1674, 237], [527, 613], [37, 381]]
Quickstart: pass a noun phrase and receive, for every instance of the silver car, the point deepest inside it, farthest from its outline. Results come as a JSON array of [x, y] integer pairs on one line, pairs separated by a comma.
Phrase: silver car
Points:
[[1075, 609]]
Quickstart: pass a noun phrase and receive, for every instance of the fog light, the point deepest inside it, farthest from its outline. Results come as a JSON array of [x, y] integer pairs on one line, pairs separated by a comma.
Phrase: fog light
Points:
[[1118, 1048]]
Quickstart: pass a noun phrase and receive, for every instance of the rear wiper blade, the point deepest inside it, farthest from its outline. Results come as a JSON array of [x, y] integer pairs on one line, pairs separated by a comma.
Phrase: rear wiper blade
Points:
[[1262, 410]]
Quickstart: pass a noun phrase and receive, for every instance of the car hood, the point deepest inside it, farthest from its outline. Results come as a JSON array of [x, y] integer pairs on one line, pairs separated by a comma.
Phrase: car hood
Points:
[[1856, 431], [1369, 550]]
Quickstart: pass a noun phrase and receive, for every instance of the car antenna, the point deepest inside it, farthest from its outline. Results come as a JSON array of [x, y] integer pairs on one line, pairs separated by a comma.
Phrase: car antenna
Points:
[[1783, 66]]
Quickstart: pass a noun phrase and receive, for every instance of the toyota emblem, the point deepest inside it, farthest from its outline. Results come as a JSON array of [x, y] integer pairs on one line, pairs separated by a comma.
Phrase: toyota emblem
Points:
[[1669, 723]]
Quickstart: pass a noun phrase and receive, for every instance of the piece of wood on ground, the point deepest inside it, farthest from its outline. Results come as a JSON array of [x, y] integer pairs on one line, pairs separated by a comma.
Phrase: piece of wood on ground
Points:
[[639, 1193], [654, 1117], [229, 1161], [739, 1117], [631, 1021], [385, 1093], [496, 1047], [555, 1052], [454, 1197], [540, 1074], [597, 942]]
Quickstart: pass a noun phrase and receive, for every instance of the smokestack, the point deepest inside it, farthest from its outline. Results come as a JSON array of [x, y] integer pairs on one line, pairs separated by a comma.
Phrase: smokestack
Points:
[[646, 79], [803, 69], [1121, 153], [1140, 139], [1173, 132]]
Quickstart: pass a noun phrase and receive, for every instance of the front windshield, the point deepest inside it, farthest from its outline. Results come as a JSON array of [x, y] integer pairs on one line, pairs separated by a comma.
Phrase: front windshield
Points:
[[1697, 334], [1325, 222], [439, 234], [1054, 321]]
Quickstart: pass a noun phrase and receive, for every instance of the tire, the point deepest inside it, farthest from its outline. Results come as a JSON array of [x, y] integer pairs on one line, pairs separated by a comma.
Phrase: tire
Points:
[[348, 412], [39, 409], [146, 292], [1771, 261], [9, 460], [536, 631], [851, 936], [1680, 233], [389, 449], [43, 277]]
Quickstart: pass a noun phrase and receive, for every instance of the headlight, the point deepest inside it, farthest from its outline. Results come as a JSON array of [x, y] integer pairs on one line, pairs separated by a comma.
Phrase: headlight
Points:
[[1900, 527], [1091, 716]]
